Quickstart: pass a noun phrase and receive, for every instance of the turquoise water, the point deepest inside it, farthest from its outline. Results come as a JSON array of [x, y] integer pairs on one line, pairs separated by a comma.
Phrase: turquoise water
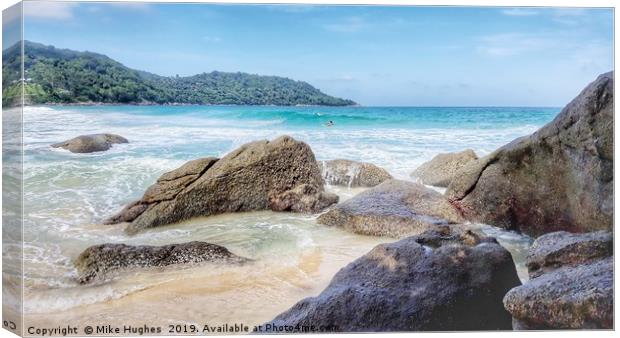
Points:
[[68, 195], [344, 117], [396, 137]]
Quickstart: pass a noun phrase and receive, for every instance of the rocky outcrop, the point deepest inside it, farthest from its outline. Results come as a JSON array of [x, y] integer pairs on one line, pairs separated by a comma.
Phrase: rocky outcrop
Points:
[[559, 178], [442, 280], [353, 174], [441, 169], [571, 285], [281, 175], [579, 297], [101, 262], [559, 249], [90, 143], [394, 208], [167, 187]]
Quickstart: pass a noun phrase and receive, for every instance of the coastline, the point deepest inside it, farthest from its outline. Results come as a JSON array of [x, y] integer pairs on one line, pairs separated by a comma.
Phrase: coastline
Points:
[[313, 252], [94, 104], [149, 104]]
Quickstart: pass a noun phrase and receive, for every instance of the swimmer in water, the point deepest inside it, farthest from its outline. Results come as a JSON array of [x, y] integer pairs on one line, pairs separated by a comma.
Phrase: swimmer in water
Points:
[[329, 124]]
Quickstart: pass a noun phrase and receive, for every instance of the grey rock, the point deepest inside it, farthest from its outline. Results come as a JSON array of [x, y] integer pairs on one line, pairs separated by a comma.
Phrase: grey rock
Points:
[[394, 208], [559, 178], [560, 249], [99, 263], [304, 198], [167, 187], [90, 143], [440, 170], [250, 178], [443, 280], [571, 285], [572, 297], [353, 174]]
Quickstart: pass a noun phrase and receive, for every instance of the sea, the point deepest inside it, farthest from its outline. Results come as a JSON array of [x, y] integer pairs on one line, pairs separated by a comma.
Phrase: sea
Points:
[[67, 196]]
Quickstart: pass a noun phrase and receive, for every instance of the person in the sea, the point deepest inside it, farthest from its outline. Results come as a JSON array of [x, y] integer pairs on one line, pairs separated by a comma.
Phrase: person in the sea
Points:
[[329, 124]]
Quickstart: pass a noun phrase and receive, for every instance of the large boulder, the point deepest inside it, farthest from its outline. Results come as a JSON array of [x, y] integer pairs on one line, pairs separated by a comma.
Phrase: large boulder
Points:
[[558, 249], [101, 262], [252, 177], [91, 143], [572, 297], [571, 285], [167, 187], [353, 174], [442, 168], [559, 178], [442, 280], [394, 208]]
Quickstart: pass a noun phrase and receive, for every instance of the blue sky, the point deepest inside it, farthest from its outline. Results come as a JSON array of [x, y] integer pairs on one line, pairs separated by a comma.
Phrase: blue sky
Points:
[[375, 55]]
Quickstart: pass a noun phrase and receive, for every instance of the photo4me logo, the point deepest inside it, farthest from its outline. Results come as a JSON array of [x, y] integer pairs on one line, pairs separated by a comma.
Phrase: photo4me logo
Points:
[[275, 328]]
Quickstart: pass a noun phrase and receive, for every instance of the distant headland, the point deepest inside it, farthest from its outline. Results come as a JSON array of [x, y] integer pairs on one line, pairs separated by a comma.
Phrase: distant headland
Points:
[[64, 76]]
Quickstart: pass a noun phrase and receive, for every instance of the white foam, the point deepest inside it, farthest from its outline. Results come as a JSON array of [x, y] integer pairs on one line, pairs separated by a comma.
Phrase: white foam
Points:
[[67, 194]]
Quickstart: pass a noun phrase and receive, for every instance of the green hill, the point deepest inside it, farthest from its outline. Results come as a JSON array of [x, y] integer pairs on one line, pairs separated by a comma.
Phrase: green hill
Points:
[[54, 75]]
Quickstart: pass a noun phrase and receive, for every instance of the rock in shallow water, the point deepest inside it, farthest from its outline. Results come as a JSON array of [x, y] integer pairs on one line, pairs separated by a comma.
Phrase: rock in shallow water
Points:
[[440, 170], [558, 249], [304, 198], [90, 143], [442, 280], [559, 178], [281, 174], [394, 208], [100, 262], [571, 285], [574, 297], [353, 174]]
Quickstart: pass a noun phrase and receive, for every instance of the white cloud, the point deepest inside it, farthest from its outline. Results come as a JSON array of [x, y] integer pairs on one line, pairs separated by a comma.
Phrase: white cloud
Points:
[[508, 44], [520, 12], [339, 79], [292, 8], [348, 25], [137, 6], [212, 38], [48, 10], [570, 12], [570, 16], [570, 52], [345, 78]]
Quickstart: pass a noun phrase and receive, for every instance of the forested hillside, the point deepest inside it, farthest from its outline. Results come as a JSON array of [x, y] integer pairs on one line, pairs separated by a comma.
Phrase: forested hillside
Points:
[[55, 75]]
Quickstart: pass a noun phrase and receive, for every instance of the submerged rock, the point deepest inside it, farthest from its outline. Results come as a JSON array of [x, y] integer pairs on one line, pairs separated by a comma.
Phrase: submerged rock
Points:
[[559, 178], [558, 249], [100, 262], [574, 297], [257, 176], [571, 285], [442, 280], [394, 208], [91, 143], [440, 170], [353, 174]]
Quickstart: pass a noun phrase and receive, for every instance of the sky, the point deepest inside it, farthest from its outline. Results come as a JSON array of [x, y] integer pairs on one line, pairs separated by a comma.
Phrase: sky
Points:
[[374, 55]]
